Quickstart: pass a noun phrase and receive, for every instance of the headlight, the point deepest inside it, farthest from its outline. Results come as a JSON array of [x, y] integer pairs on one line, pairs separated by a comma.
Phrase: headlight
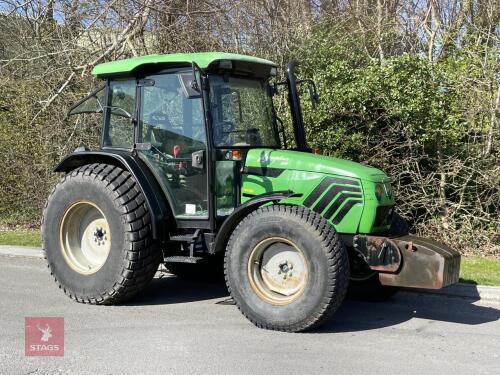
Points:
[[388, 189], [378, 191]]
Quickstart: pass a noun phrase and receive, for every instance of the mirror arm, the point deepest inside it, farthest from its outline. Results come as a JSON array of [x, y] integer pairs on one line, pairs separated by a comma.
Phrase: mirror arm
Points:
[[282, 126], [311, 82], [313, 93], [194, 84], [294, 102]]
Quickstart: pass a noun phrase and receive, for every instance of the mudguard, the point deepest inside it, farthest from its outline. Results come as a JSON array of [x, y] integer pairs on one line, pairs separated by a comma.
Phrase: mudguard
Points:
[[156, 200], [240, 212]]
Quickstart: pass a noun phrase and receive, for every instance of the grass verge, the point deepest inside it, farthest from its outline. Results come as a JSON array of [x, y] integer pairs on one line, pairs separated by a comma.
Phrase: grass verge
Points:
[[21, 238], [480, 270], [473, 270]]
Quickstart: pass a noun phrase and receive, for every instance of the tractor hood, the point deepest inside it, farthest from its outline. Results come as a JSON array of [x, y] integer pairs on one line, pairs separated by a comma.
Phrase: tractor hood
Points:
[[303, 161]]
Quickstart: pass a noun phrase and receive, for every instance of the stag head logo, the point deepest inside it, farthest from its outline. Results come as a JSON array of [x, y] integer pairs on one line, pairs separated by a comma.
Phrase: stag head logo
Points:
[[46, 332], [43, 336]]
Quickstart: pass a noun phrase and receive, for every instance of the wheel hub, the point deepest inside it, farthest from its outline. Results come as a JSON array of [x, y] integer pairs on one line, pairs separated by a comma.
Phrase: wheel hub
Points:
[[100, 236], [85, 237], [277, 271]]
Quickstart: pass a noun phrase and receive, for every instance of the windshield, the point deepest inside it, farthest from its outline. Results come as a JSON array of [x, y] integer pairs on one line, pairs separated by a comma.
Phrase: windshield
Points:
[[242, 112]]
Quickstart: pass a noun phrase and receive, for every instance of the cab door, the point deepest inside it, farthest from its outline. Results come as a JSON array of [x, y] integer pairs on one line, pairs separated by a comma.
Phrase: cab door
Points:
[[173, 140]]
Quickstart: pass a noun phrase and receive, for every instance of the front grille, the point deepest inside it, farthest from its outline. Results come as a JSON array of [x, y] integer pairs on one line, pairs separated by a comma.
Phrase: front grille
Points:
[[383, 216]]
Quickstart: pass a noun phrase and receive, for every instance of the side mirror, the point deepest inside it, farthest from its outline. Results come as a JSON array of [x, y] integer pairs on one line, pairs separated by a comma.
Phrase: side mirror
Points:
[[190, 85]]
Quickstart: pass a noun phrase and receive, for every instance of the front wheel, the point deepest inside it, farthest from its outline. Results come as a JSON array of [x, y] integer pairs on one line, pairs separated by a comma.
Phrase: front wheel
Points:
[[286, 268], [370, 289]]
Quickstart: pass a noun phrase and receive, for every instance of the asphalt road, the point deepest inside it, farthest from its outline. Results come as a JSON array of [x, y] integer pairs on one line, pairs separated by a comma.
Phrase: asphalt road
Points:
[[179, 327]]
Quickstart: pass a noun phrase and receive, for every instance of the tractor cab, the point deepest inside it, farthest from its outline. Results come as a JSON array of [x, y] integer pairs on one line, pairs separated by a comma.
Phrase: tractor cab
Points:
[[191, 118]]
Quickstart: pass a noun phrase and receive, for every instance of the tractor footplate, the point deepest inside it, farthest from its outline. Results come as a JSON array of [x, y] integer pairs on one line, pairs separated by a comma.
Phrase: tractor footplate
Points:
[[182, 259], [410, 261]]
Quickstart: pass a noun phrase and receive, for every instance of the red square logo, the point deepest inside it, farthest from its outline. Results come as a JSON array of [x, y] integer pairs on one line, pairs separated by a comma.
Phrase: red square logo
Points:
[[43, 336]]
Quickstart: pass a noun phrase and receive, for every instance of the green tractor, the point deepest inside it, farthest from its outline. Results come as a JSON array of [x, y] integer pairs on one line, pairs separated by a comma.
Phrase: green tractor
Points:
[[194, 172]]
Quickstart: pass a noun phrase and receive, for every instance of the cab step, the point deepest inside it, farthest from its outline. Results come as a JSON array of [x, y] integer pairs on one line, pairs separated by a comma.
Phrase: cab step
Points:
[[189, 237], [184, 238], [182, 259]]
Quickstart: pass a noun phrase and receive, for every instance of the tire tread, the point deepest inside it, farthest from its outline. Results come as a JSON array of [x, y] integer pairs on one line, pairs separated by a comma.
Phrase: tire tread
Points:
[[338, 270], [142, 257]]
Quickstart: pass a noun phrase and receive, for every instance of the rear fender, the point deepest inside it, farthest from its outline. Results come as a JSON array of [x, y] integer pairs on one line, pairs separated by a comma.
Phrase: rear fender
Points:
[[156, 200]]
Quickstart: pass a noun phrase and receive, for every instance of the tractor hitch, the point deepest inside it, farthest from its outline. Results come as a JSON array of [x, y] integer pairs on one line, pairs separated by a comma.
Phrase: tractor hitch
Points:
[[409, 261]]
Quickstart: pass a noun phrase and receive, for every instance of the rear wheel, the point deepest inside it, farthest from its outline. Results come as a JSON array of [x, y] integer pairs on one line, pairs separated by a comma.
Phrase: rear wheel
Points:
[[97, 235], [286, 268]]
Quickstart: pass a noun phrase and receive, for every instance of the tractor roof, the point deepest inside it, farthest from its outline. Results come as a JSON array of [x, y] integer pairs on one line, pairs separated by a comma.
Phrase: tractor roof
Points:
[[203, 59]]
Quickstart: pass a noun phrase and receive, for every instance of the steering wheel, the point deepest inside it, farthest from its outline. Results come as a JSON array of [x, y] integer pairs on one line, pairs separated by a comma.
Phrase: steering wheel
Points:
[[253, 137]]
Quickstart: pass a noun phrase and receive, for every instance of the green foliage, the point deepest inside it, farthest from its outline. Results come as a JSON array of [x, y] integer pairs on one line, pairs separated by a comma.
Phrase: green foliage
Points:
[[423, 122], [32, 142], [366, 100]]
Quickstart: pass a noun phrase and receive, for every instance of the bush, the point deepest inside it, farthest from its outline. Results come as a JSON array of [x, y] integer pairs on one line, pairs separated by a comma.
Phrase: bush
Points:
[[410, 117]]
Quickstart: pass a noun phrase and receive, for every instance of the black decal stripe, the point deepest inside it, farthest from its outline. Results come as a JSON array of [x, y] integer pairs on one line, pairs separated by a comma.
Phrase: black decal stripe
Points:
[[337, 180], [335, 206], [344, 210], [318, 190], [327, 198], [263, 171], [323, 185]]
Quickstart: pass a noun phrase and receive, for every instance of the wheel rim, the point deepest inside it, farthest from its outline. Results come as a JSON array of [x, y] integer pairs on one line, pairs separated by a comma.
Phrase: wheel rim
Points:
[[85, 237], [278, 271]]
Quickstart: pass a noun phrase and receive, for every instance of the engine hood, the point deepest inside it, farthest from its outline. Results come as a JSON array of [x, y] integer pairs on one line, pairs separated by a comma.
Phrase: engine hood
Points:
[[302, 161]]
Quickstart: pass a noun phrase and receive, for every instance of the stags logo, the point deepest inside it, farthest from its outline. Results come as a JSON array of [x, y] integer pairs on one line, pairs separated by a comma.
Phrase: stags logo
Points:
[[44, 336], [46, 332]]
